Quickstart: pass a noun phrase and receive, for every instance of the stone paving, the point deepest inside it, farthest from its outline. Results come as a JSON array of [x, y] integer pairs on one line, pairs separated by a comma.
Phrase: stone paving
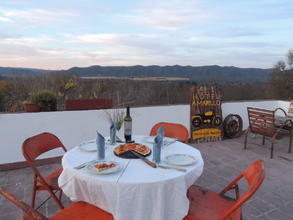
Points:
[[224, 160]]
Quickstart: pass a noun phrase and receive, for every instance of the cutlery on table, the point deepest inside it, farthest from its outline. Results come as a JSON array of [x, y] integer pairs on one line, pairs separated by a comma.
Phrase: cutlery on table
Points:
[[172, 168], [83, 165], [171, 142], [144, 159], [154, 165]]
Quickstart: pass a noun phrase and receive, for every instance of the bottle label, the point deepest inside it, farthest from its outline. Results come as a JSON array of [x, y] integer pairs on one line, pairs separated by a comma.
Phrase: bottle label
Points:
[[127, 128]]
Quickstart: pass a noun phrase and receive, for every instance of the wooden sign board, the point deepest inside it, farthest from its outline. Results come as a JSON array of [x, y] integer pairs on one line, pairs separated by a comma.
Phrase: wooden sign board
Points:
[[206, 113]]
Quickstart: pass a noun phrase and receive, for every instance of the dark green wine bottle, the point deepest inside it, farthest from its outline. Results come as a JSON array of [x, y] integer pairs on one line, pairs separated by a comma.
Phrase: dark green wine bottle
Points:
[[127, 125]]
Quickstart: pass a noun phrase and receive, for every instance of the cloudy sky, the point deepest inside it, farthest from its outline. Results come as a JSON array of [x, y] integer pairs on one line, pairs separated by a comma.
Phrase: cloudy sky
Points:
[[60, 34]]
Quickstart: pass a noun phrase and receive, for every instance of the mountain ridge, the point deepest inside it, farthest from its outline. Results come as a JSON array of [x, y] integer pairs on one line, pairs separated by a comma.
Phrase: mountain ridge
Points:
[[212, 73], [17, 71], [202, 73]]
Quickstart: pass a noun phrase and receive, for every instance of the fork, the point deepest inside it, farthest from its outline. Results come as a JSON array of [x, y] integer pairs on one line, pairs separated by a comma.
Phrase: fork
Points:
[[83, 164], [170, 142], [95, 159]]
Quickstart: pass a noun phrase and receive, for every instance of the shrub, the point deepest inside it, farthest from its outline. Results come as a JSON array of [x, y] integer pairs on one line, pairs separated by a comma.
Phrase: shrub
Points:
[[47, 101]]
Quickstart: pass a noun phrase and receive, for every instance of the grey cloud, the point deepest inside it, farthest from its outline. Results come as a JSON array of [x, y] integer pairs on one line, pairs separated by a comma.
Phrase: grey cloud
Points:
[[15, 50], [7, 35]]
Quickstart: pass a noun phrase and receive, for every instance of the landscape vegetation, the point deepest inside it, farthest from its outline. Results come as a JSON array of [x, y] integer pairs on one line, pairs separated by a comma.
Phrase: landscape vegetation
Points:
[[144, 85]]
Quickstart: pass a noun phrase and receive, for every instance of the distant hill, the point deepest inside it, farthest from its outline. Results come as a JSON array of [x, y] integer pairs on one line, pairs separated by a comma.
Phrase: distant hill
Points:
[[199, 74], [12, 71]]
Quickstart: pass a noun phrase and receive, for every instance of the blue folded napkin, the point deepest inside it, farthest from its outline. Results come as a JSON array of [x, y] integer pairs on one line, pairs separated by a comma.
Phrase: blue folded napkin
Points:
[[160, 131], [100, 146], [113, 133], [158, 143]]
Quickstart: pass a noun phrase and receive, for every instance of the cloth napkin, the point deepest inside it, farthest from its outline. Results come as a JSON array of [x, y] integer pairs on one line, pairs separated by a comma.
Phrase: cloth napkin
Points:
[[113, 133], [158, 142], [160, 131], [100, 146]]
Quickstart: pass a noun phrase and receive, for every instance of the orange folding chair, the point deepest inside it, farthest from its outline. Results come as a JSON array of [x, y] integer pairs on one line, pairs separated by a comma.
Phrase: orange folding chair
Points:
[[78, 210], [208, 205], [172, 130], [31, 149]]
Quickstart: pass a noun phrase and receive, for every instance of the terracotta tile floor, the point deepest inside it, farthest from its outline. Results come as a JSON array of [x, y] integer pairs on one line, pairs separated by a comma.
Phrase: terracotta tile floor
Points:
[[224, 160]]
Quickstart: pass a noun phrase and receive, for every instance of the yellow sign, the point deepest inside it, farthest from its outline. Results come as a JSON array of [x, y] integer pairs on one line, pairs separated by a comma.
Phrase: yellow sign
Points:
[[206, 103], [205, 113], [209, 132], [206, 100]]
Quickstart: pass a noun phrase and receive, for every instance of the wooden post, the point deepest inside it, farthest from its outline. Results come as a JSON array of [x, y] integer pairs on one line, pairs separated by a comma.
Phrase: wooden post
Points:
[[206, 113]]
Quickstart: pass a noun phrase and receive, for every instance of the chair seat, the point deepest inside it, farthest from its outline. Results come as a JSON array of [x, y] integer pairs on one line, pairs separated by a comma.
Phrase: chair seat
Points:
[[82, 210], [208, 205], [52, 180]]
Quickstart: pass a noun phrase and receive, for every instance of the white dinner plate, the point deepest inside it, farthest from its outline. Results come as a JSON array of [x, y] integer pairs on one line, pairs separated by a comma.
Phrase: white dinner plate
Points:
[[180, 159], [166, 140], [90, 167], [89, 146]]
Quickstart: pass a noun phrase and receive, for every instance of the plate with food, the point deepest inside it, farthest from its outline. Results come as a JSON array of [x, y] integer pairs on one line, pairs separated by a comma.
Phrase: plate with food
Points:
[[103, 167], [89, 146], [123, 150], [180, 159]]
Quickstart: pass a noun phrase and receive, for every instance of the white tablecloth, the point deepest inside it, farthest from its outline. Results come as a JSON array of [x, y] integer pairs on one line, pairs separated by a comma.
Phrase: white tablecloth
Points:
[[137, 191]]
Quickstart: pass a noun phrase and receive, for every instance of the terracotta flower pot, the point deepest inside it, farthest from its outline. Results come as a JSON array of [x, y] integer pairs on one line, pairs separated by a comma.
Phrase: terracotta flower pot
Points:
[[31, 107]]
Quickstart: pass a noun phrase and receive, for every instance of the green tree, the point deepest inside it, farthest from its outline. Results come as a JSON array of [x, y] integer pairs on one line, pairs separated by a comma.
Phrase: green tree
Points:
[[281, 79]]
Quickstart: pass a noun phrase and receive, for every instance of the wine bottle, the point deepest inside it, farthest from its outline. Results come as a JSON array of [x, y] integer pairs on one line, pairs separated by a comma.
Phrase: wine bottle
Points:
[[127, 125]]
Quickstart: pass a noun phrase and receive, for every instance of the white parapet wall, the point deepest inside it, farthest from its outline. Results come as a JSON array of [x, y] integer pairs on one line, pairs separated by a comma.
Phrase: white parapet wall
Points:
[[75, 127]]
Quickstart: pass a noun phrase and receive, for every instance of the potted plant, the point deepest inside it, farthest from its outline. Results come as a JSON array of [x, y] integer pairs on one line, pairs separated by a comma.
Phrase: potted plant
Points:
[[47, 101], [29, 106]]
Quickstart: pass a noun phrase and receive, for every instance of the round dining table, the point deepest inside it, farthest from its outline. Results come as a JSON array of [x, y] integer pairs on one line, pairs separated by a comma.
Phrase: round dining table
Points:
[[133, 189]]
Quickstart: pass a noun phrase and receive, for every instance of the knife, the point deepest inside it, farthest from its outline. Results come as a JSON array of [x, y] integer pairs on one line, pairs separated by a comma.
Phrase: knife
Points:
[[172, 168], [171, 142], [144, 159]]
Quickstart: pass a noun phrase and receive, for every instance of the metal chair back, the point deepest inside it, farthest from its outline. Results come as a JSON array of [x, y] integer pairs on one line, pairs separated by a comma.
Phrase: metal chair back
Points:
[[172, 130], [32, 148]]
